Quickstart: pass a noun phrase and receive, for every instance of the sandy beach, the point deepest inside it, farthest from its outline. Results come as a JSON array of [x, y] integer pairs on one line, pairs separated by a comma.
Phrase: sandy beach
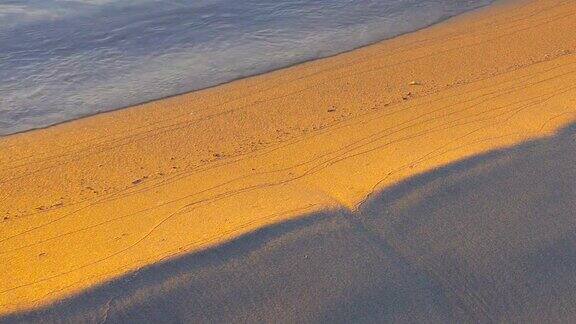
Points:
[[429, 177]]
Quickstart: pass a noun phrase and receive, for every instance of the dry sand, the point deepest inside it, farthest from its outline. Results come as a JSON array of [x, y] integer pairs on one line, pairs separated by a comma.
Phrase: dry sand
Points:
[[429, 177]]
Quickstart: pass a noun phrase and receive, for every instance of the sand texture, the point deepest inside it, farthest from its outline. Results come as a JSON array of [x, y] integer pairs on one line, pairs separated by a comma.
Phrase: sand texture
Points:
[[428, 178]]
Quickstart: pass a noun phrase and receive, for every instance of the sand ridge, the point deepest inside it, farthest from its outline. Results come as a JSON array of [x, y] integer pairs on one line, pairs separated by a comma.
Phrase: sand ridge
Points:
[[96, 198]]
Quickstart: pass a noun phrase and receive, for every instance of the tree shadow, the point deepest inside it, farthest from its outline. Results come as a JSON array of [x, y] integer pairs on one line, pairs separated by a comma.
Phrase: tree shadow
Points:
[[490, 238]]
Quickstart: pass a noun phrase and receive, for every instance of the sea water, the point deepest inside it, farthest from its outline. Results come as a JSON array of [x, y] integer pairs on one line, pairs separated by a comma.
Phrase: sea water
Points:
[[64, 59]]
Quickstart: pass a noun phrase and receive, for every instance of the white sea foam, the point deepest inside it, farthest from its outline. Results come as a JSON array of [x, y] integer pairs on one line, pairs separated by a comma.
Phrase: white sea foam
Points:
[[63, 59]]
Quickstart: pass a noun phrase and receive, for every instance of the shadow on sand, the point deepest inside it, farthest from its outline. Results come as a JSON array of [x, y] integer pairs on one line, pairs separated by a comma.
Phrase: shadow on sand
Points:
[[488, 239]]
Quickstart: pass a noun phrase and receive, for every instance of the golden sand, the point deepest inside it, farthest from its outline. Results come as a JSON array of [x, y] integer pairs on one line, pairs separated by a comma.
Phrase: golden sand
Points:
[[93, 199]]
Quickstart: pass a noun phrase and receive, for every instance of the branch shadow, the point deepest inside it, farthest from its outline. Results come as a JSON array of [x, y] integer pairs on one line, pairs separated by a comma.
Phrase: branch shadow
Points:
[[488, 239]]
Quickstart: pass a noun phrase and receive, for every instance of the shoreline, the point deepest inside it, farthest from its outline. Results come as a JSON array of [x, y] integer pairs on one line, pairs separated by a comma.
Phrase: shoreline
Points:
[[205, 167], [132, 106]]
